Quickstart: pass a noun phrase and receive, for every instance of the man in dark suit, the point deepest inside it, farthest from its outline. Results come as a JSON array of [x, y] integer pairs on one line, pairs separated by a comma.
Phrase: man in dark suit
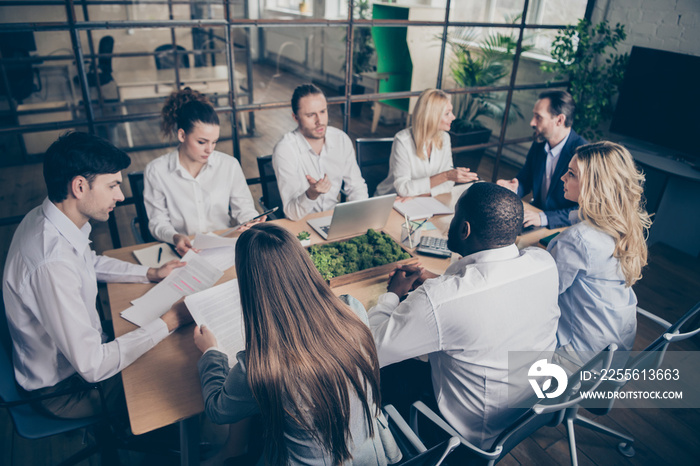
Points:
[[548, 160]]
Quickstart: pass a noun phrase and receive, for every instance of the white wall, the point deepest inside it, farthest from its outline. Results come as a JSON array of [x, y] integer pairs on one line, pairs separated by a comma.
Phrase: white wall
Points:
[[670, 25]]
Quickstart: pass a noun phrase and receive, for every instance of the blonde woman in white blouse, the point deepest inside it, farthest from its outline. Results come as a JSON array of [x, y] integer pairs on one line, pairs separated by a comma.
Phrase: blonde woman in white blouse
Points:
[[428, 171]]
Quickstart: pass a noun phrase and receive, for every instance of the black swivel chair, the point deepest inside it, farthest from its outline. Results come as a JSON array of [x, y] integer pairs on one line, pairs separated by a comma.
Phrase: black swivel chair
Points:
[[270, 192], [139, 224], [166, 57], [103, 74], [373, 158]]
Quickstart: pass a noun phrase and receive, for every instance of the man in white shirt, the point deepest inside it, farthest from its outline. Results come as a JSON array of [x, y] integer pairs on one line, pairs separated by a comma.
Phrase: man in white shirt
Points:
[[313, 162], [547, 161], [494, 300], [50, 283]]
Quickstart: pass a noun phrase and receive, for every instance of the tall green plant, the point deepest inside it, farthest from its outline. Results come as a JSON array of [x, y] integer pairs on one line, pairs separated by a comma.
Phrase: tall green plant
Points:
[[479, 66], [363, 45], [580, 54]]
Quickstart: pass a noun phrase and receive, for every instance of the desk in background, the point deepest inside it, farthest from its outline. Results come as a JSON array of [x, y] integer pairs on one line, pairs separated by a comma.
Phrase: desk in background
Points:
[[162, 387]]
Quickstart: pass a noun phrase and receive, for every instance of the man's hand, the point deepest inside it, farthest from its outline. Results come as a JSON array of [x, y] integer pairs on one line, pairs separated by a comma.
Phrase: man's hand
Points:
[[531, 218], [316, 188], [204, 338], [157, 274], [177, 315], [183, 244], [461, 175], [247, 225], [401, 280], [510, 184]]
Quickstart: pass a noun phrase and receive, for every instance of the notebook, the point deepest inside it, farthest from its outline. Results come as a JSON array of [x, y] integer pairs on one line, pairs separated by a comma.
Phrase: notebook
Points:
[[354, 217], [422, 207]]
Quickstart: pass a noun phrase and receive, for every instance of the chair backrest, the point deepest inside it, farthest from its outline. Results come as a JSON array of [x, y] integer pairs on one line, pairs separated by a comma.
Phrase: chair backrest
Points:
[[434, 456], [268, 182], [140, 224], [373, 158], [106, 46], [166, 58]]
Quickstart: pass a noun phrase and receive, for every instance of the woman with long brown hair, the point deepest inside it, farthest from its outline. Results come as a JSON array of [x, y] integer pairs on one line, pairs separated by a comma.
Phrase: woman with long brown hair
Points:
[[421, 156], [600, 258], [309, 367]]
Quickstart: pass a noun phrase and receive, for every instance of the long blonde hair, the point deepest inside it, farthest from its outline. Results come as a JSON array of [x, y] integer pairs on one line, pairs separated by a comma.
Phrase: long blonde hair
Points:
[[307, 352], [610, 198], [426, 120]]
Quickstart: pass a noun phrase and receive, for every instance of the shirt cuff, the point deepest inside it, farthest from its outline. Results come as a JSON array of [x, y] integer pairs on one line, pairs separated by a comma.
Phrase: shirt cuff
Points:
[[214, 348], [543, 219], [389, 299], [158, 330], [143, 270]]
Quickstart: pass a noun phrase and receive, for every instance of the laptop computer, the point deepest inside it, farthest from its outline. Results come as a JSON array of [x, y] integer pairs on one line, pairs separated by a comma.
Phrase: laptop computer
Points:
[[354, 217]]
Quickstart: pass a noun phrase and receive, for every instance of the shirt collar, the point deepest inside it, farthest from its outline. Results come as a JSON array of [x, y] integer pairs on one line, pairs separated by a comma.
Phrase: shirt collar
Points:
[[556, 150], [304, 143], [489, 255], [174, 164], [79, 238]]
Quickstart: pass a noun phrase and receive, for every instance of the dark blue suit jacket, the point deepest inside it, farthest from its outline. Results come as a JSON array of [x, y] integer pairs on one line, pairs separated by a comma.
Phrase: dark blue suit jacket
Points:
[[555, 207]]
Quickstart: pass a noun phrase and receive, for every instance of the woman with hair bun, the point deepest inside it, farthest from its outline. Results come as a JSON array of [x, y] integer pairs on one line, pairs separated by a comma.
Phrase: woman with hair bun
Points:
[[421, 156], [193, 189], [600, 258]]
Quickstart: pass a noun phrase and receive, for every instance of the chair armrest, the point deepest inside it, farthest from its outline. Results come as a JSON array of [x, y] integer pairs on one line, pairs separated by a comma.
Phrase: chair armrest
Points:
[[420, 407], [406, 431], [664, 323]]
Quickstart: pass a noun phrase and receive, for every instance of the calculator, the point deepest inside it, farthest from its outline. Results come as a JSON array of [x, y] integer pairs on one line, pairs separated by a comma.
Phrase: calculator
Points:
[[433, 246]]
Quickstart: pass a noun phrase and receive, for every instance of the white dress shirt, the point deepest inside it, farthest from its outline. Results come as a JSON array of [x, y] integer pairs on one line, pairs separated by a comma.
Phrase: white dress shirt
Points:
[[485, 305], [409, 175], [177, 202], [552, 159], [50, 291], [293, 159], [596, 307]]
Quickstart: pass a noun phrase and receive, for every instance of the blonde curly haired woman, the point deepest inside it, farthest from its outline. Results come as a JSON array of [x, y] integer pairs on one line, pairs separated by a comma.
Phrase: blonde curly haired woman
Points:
[[600, 258], [421, 156]]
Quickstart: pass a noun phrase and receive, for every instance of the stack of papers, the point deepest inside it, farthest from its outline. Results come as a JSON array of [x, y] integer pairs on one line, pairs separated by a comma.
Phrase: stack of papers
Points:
[[421, 207], [196, 276]]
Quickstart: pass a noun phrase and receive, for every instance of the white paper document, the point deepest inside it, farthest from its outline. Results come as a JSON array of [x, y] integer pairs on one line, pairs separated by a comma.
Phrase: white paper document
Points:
[[219, 308], [422, 207], [196, 276], [156, 255], [220, 252]]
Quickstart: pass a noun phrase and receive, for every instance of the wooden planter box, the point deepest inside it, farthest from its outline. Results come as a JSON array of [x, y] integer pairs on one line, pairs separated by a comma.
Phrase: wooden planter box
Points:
[[372, 271]]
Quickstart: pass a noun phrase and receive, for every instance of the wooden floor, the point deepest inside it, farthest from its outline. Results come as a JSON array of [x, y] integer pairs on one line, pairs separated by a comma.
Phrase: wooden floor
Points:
[[670, 286]]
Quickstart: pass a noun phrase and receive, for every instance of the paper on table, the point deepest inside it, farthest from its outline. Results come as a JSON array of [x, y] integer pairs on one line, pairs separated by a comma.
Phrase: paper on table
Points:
[[219, 308], [197, 275], [421, 207], [220, 252], [149, 256]]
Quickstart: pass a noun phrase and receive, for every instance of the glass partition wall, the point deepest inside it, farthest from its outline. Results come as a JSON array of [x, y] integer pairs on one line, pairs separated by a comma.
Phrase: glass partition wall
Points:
[[106, 66]]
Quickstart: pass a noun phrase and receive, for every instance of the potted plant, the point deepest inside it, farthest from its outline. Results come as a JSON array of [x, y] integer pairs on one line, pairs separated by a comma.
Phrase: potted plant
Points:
[[479, 63], [594, 78], [362, 55], [305, 238]]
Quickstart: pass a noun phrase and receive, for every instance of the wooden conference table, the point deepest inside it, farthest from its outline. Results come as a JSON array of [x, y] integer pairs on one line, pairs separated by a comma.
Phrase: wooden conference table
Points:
[[162, 386]]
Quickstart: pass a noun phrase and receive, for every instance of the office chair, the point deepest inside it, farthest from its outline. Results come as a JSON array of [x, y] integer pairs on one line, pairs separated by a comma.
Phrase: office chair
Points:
[[270, 191], [30, 423], [139, 224], [103, 73], [412, 448], [544, 412], [166, 58], [373, 158], [650, 358]]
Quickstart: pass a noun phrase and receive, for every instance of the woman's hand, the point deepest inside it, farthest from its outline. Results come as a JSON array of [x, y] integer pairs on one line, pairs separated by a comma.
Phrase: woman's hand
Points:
[[204, 338], [461, 175], [183, 244]]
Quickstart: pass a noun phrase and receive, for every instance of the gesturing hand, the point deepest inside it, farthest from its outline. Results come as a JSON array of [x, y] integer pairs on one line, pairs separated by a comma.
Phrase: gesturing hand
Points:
[[509, 184], [316, 188]]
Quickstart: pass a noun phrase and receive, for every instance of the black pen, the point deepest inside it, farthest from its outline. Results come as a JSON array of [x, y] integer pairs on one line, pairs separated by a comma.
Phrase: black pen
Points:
[[160, 253]]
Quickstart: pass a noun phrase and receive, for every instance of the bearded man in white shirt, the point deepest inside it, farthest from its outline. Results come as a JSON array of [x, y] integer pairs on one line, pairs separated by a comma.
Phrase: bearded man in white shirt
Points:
[[493, 300], [50, 284], [313, 162]]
